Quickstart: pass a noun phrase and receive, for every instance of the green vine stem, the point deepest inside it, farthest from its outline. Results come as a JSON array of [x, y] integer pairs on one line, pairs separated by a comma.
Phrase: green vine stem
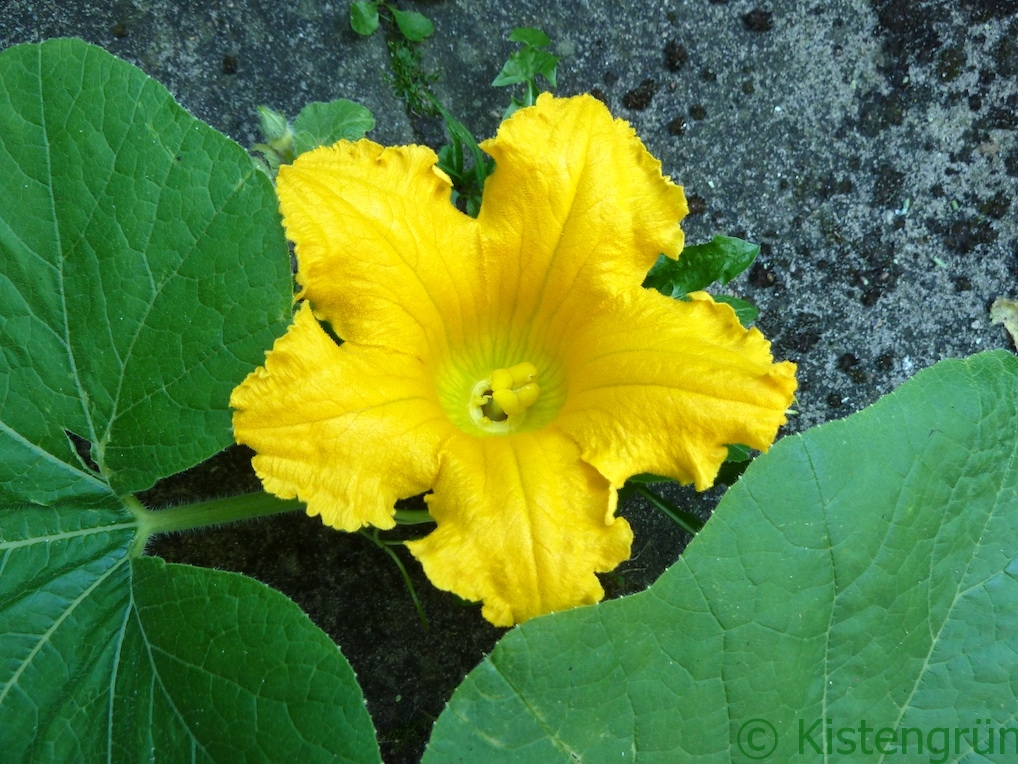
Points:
[[386, 546], [203, 514], [689, 522], [413, 517]]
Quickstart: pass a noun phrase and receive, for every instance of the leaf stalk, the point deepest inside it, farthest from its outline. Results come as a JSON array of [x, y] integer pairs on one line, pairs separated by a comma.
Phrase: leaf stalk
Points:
[[203, 514]]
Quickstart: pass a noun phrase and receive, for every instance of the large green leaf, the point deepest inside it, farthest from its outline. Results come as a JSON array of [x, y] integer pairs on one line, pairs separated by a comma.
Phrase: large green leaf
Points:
[[143, 272], [108, 658], [863, 573]]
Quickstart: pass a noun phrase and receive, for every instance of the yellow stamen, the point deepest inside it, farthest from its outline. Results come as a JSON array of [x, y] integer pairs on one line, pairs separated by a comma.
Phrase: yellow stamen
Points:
[[507, 393], [501, 379], [527, 395], [522, 373]]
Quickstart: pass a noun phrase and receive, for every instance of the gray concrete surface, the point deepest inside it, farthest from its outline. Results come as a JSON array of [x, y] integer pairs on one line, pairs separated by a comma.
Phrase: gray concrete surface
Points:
[[870, 148]]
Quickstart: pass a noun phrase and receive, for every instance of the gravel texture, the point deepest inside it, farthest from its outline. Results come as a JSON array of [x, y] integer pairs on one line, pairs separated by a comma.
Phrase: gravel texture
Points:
[[869, 147]]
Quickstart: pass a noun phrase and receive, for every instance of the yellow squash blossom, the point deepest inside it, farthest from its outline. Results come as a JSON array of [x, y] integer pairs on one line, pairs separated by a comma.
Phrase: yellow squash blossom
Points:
[[513, 365]]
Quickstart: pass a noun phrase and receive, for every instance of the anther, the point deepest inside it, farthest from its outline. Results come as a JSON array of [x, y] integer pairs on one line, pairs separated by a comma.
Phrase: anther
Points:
[[522, 373], [508, 393]]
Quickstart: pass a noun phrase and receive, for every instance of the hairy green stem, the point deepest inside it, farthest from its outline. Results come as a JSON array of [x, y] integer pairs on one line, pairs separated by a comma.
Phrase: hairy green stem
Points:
[[203, 514], [689, 522]]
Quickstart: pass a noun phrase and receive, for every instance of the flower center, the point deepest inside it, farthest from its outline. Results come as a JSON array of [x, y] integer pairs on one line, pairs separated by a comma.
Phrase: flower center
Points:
[[499, 402]]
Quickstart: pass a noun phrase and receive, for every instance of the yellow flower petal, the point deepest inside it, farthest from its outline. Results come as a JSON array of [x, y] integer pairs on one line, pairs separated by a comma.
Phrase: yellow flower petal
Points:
[[347, 430], [660, 385], [383, 255], [523, 524], [576, 205]]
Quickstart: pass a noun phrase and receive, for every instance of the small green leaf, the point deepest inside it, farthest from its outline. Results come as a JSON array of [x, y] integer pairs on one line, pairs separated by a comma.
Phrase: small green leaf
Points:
[[524, 65], [469, 182], [547, 67], [413, 26], [364, 18], [529, 36], [863, 572], [744, 309], [738, 453], [324, 123], [699, 265], [473, 206], [450, 161], [515, 104]]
